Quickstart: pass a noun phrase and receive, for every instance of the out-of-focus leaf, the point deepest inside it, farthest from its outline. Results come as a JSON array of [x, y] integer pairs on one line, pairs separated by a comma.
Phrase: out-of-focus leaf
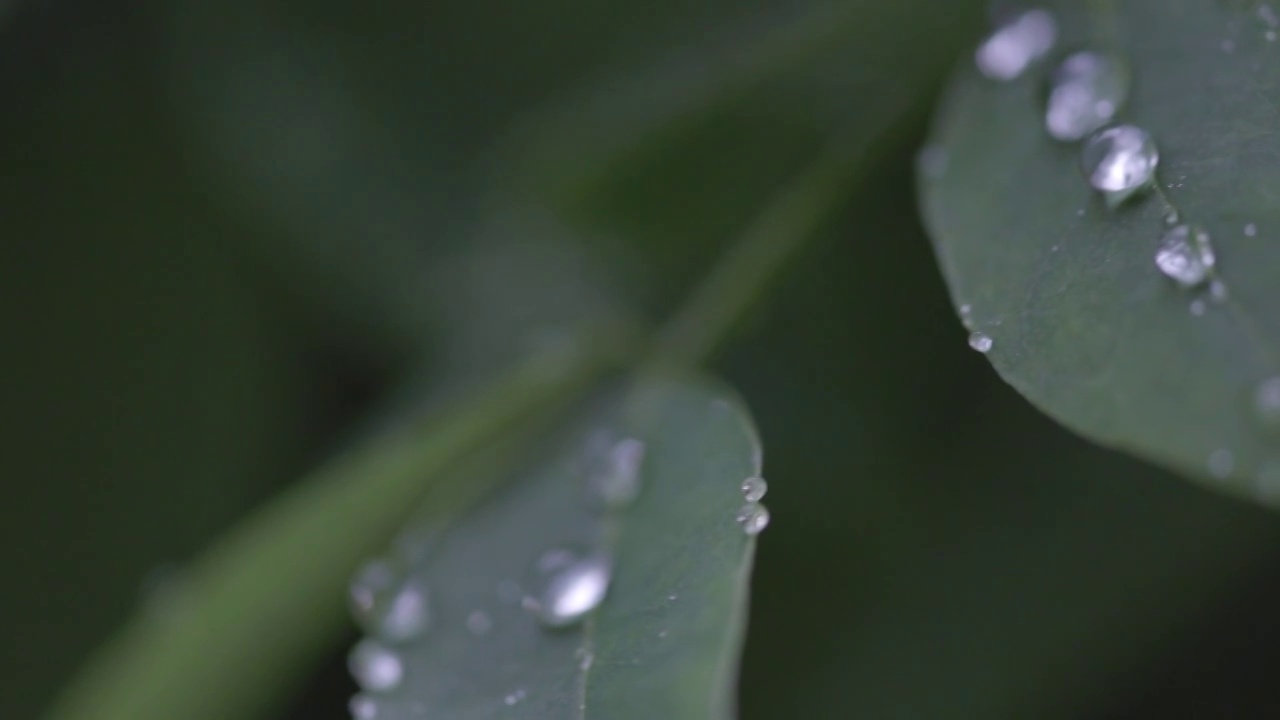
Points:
[[665, 641], [1084, 324]]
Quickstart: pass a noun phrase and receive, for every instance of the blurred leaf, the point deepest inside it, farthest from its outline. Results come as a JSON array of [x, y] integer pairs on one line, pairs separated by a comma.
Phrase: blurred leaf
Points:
[[665, 643], [1084, 324], [248, 616]]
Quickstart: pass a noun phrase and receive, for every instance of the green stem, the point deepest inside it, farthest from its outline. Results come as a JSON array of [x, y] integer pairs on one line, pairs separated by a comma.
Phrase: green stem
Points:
[[267, 599], [740, 278]]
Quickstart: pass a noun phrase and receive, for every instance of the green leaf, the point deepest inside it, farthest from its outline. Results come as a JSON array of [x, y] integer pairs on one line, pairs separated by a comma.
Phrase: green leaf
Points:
[[1084, 325], [665, 642], [263, 601]]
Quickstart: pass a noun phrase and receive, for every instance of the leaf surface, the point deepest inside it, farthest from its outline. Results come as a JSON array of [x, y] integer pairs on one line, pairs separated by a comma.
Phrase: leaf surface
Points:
[[1084, 325], [667, 638]]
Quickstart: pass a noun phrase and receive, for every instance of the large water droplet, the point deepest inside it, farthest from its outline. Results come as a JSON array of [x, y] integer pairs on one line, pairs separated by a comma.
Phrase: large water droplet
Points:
[[1185, 255], [1119, 160], [374, 666], [613, 473], [387, 605], [566, 593], [1087, 91], [754, 488], [1266, 402], [1014, 46], [981, 342], [754, 518]]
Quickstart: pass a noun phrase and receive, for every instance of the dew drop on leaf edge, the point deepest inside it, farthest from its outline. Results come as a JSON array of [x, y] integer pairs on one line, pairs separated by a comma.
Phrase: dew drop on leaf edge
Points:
[[1016, 45], [375, 667], [564, 596], [754, 489], [1086, 92], [1119, 160], [981, 342], [754, 518]]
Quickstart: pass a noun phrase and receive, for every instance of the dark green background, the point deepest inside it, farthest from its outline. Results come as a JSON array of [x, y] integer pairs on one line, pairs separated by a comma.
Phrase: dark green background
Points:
[[226, 232]]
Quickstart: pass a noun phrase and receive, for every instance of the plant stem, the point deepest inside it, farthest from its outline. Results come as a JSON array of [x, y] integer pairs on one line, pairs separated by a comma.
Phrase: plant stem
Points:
[[741, 277], [250, 616]]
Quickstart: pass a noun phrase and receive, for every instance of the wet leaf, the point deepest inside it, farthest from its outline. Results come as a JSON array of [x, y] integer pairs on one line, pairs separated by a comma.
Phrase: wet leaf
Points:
[[666, 640], [1084, 324]]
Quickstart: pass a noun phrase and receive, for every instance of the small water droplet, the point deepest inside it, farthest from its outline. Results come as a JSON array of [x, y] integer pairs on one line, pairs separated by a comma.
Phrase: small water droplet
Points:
[[932, 161], [374, 666], [754, 488], [673, 597], [1266, 402], [1218, 291], [515, 697], [363, 707], [384, 604], [981, 342], [1087, 91], [1185, 255], [754, 518], [613, 476], [1270, 35], [1221, 462], [1119, 160], [1014, 46], [1250, 230], [567, 593], [1228, 46], [585, 658], [479, 623], [662, 634], [1197, 307]]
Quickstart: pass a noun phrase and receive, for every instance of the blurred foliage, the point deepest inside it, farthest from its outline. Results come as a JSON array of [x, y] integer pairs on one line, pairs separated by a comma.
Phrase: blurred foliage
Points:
[[230, 227]]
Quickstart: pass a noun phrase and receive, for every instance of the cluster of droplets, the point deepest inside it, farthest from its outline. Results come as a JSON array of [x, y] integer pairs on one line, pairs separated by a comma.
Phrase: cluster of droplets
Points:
[[1087, 92], [753, 516]]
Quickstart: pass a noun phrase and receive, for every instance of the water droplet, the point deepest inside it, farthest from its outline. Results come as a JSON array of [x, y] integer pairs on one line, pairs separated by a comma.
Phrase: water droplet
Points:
[[1218, 291], [383, 604], [568, 592], [1172, 218], [613, 477], [673, 597], [1270, 35], [1197, 307], [1250, 230], [515, 697], [1228, 46], [753, 518], [1087, 91], [1221, 462], [1014, 46], [1185, 255], [981, 342], [363, 707], [1119, 160], [662, 634], [374, 666], [932, 161], [479, 623], [1266, 401], [754, 488]]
